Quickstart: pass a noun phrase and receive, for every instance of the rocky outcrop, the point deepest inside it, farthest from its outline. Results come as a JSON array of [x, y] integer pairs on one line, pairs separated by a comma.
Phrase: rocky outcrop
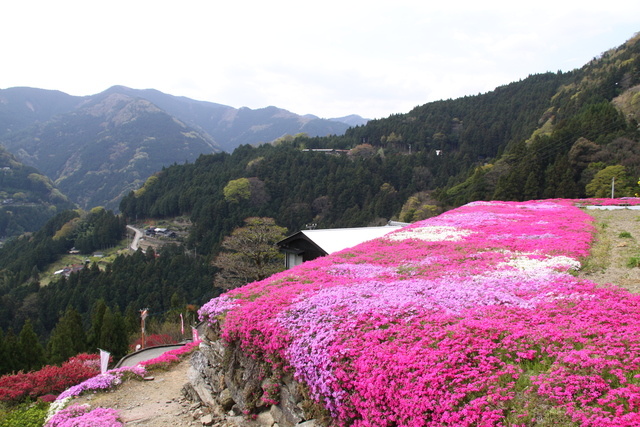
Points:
[[238, 390]]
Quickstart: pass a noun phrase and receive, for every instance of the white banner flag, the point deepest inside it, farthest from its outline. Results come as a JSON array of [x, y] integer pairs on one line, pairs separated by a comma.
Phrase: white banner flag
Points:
[[104, 360], [194, 331]]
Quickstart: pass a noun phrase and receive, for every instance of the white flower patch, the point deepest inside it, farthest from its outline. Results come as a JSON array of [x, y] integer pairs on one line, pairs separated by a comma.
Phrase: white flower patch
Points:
[[541, 206], [430, 234], [526, 264], [481, 203], [57, 406], [523, 236], [472, 220], [360, 271]]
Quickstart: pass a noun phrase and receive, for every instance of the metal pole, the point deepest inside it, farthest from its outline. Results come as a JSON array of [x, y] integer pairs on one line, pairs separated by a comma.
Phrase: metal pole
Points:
[[613, 185], [143, 316]]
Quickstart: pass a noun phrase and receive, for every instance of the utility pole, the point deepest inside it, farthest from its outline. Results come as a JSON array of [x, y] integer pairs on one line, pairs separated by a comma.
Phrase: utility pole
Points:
[[613, 185], [143, 315]]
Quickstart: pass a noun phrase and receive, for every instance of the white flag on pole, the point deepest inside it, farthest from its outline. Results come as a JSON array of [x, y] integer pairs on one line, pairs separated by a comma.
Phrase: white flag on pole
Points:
[[104, 360]]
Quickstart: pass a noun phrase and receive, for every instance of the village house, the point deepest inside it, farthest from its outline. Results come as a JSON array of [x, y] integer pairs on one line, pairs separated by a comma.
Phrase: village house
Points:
[[307, 245]]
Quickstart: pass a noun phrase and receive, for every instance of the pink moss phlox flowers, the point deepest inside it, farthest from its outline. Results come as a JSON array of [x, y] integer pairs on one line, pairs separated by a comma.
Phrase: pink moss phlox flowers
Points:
[[109, 379], [171, 356], [458, 320], [80, 416]]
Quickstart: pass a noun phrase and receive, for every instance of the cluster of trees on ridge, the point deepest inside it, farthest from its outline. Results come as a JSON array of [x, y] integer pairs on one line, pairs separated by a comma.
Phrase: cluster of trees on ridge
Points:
[[82, 313], [22, 260]]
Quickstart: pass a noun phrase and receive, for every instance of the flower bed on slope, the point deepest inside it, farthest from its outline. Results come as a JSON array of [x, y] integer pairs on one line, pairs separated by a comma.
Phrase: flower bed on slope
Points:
[[51, 379], [469, 318], [80, 415]]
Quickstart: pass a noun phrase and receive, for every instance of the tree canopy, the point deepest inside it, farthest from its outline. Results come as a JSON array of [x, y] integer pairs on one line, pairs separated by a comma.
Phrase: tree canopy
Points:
[[251, 253], [610, 178]]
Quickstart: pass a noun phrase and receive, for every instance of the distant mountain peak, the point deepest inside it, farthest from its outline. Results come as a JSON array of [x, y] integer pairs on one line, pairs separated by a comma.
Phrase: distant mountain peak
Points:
[[119, 108], [352, 120], [88, 144], [100, 152]]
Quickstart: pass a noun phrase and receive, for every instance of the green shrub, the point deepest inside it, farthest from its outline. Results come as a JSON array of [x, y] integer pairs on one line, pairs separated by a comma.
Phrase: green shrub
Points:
[[625, 235], [26, 415], [633, 262]]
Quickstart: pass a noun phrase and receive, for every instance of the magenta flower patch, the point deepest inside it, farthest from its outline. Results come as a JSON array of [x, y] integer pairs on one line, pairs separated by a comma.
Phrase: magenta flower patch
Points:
[[459, 320], [109, 379], [80, 416]]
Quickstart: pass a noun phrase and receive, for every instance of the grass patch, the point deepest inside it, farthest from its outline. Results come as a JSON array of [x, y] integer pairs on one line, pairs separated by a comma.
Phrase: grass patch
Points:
[[528, 409], [625, 235], [67, 260], [633, 262], [599, 257]]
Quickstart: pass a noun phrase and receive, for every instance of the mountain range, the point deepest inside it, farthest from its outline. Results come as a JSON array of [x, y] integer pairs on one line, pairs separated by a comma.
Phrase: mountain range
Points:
[[231, 127], [98, 148], [548, 135]]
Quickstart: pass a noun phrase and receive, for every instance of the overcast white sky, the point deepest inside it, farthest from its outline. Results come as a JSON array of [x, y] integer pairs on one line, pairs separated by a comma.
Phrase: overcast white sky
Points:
[[330, 58]]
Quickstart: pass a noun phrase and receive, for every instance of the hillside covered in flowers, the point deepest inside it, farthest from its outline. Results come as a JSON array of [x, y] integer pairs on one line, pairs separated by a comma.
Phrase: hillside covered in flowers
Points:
[[472, 318]]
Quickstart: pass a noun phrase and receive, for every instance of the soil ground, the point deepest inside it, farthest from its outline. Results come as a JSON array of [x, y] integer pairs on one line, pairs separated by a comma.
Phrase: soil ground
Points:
[[617, 243], [159, 403], [155, 403]]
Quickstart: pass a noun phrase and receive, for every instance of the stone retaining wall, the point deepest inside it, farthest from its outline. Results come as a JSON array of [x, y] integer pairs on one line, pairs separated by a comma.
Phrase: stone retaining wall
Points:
[[240, 391]]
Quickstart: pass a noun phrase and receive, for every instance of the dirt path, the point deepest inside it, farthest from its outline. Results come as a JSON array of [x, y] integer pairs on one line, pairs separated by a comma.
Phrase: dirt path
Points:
[[156, 403], [617, 241]]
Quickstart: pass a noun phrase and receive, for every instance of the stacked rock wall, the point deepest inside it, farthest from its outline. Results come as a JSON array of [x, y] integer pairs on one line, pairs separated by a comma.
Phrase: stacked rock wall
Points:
[[242, 391]]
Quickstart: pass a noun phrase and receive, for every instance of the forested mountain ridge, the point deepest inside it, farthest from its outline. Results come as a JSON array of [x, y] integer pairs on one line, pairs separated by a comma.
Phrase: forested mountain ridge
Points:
[[390, 161], [97, 148], [21, 107], [27, 198], [528, 139], [231, 127], [296, 187], [588, 133], [109, 146]]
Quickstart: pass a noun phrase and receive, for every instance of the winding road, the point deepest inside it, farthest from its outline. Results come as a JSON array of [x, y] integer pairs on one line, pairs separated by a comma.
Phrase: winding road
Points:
[[136, 238], [136, 357]]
